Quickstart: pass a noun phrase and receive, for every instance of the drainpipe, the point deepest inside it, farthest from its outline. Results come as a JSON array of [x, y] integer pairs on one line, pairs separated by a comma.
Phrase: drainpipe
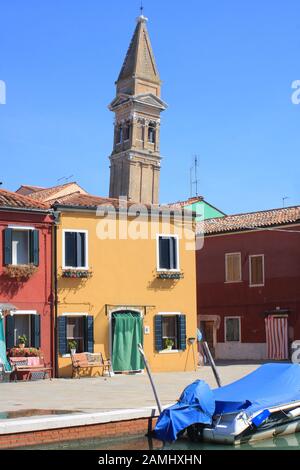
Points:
[[56, 222]]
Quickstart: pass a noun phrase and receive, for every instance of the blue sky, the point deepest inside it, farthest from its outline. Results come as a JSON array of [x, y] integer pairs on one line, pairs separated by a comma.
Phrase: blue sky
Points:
[[227, 68]]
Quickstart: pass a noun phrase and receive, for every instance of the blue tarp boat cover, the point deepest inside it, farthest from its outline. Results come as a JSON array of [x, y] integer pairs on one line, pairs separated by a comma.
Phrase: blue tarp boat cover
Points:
[[196, 405], [270, 385]]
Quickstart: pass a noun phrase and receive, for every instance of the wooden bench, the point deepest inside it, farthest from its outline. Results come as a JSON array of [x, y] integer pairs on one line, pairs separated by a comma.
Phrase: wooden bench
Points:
[[23, 369], [85, 361]]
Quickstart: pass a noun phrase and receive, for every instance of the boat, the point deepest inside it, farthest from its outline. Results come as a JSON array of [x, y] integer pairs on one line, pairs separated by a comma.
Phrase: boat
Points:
[[262, 405]]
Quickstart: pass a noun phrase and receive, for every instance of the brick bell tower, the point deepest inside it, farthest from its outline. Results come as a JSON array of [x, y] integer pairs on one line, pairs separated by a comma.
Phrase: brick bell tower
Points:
[[135, 159]]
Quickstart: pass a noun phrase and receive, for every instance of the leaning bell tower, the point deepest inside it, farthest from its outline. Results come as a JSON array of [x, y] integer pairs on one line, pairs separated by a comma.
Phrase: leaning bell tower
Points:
[[135, 159]]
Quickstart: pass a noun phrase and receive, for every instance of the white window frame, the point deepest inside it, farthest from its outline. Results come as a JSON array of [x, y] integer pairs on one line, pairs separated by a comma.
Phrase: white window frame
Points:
[[225, 328], [263, 270], [20, 229], [226, 268], [169, 314], [177, 270], [28, 313], [75, 314], [86, 267]]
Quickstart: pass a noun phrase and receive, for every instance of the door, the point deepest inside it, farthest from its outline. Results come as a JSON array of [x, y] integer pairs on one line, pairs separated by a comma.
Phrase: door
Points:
[[127, 333], [277, 337], [207, 330]]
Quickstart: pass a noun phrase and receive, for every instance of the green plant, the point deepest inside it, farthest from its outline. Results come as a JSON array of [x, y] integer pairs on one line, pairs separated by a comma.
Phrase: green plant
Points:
[[72, 344], [22, 339], [169, 343], [24, 352]]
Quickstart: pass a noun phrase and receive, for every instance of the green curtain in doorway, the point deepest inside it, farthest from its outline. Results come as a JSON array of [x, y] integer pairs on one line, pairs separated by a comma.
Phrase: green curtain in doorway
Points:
[[127, 334], [3, 357]]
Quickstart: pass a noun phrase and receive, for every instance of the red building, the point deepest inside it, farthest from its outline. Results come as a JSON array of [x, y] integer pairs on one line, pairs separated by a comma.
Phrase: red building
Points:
[[248, 284], [26, 272]]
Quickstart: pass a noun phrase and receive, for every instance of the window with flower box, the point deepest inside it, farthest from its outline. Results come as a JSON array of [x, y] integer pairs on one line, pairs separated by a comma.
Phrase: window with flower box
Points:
[[75, 249]]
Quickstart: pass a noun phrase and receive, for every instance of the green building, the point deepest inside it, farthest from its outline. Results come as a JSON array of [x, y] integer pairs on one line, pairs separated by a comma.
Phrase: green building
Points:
[[203, 209]]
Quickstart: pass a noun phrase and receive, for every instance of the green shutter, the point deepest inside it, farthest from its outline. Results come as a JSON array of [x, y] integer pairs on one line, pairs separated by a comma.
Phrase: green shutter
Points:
[[89, 334], [62, 335], [7, 246], [181, 328], [9, 331], [158, 333], [36, 331], [34, 247]]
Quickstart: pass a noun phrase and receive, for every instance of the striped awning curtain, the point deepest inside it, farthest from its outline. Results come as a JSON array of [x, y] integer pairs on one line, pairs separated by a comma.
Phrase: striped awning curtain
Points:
[[277, 337]]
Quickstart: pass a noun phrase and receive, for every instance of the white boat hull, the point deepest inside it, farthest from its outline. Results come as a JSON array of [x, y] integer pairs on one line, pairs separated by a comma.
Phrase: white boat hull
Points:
[[235, 429]]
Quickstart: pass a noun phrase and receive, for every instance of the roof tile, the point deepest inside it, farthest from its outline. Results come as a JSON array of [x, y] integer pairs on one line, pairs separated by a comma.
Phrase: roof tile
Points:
[[9, 199], [251, 220]]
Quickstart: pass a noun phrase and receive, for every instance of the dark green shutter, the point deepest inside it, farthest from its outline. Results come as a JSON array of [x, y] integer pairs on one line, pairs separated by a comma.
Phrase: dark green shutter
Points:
[[158, 333], [89, 334], [7, 246], [10, 331], [62, 335], [36, 331], [34, 247], [181, 328]]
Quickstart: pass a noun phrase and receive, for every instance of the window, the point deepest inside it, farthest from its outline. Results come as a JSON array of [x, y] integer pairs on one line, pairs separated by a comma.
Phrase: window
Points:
[[119, 135], [75, 327], [75, 332], [23, 323], [233, 269], [126, 132], [170, 330], [75, 249], [22, 327], [21, 246], [232, 329], [256, 266], [151, 133], [168, 253]]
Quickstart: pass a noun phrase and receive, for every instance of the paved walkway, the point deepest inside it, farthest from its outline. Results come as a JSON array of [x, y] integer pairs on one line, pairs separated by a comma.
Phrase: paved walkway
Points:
[[112, 393]]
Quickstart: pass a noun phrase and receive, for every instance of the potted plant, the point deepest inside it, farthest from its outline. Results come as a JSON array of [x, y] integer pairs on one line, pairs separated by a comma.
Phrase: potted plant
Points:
[[22, 340], [169, 343], [72, 346]]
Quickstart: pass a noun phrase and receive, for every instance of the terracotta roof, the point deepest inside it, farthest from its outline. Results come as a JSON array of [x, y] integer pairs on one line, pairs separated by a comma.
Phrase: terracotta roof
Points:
[[88, 201], [191, 200], [46, 193], [27, 189], [77, 199], [9, 199], [250, 220]]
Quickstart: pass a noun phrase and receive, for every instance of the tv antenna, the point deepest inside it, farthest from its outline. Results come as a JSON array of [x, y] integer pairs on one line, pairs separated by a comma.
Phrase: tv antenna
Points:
[[284, 199], [194, 176], [64, 179]]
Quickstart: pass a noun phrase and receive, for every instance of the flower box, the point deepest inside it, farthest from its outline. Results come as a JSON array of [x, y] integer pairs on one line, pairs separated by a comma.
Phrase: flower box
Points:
[[20, 272], [24, 352], [169, 275], [76, 273]]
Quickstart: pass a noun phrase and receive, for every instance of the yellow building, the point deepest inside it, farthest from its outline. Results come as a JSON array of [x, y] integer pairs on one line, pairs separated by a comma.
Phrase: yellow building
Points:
[[124, 279], [127, 275]]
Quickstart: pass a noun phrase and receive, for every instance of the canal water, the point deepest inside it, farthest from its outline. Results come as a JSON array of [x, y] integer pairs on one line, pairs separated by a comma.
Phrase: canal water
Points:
[[291, 442]]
